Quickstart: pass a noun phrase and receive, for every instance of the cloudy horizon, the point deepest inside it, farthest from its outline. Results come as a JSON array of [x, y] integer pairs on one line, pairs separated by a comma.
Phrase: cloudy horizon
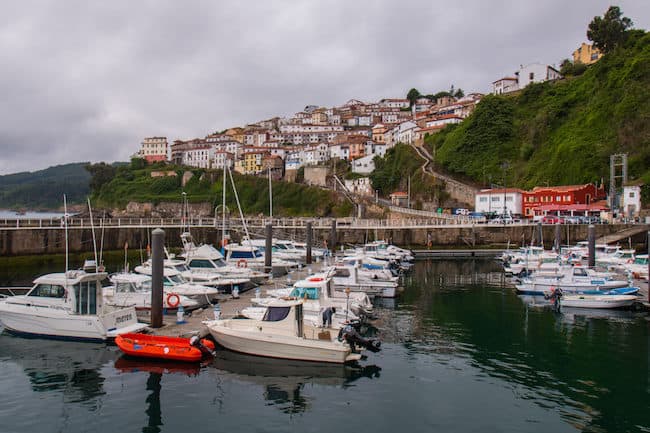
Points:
[[87, 81]]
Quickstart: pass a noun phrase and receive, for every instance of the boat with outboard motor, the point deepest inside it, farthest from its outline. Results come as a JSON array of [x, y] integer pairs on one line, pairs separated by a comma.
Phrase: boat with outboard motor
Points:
[[283, 333], [163, 347], [67, 305]]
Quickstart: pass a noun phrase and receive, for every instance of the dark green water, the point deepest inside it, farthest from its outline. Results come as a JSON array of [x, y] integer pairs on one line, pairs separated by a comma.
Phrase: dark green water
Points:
[[461, 353]]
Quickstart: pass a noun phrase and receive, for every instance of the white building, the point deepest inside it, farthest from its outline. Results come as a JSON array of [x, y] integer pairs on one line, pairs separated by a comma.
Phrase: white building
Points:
[[340, 151], [200, 157], [505, 85], [364, 165], [443, 120], [536, 73], [631, 201], [154, 149], [223, 159], [499, 200]]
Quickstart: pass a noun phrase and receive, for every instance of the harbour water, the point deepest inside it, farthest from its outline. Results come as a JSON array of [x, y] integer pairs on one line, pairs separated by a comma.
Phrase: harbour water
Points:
[[461, 352]]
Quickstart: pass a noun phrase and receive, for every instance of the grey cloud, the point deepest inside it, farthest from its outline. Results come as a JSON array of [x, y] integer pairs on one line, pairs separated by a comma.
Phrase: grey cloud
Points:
[[87, 80]]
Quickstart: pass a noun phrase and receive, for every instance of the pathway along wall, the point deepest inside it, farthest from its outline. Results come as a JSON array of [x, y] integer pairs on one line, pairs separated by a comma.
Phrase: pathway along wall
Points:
[[52, 240]]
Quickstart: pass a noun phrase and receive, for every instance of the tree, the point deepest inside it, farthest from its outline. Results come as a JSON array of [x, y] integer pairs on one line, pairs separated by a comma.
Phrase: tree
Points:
[[101, 173], [609, 31], [413, 95], [459, 93]]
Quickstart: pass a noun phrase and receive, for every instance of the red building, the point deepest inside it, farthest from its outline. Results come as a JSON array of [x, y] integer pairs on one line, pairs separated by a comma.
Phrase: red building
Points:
[[560, 197]]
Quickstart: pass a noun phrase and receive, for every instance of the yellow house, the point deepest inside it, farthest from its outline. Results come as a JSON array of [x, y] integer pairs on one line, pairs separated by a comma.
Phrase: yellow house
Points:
[[253, 162], [586, 54]]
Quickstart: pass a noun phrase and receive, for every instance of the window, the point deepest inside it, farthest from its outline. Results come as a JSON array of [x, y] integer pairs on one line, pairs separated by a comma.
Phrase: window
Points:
[[558, 198], [531, 76], [275, 314], [342, 273], [496, 198], [509, 198], [631, 195], [482, 199], [200, 263], [48, 291]]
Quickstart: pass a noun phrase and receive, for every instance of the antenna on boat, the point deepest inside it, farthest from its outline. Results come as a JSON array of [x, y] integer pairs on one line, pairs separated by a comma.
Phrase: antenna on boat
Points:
[[65, 225], [92, 227], [101, 243], [223, 213]]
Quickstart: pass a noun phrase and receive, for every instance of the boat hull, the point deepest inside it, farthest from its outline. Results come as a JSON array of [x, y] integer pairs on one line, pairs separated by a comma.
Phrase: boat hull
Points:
[[280, 346], [598, 301], [158, 347]]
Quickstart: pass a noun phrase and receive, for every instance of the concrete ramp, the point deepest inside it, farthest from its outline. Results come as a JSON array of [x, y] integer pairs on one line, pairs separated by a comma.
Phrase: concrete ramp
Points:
[[623, 234]]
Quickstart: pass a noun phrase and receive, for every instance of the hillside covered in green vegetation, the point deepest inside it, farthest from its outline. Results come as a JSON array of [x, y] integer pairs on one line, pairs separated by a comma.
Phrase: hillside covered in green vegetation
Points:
[[134, 183], [559, 132], [44, 189]]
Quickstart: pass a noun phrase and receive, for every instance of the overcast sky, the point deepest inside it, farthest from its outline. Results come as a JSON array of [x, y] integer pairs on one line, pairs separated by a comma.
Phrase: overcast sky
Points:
[[87, 80]]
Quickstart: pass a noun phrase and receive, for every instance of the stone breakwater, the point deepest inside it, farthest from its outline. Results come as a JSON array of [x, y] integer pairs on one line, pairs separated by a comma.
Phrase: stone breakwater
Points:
[[51, 240]]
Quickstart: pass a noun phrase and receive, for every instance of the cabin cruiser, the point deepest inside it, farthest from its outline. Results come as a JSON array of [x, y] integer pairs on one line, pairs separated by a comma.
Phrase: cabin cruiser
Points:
[[316, 253], [617, 260], [174, 282], [178, 273], [250, 256], [135, 290], [576, 280], [317, 292], [283, 333], [370, 268], [283, 250], [203, 263], [67, 305], [349, 277]]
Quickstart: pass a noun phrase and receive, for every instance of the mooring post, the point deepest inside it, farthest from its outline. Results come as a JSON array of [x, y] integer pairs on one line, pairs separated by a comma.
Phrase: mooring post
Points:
[[558, 237], [309, 241], [268, 248], [540, 235], [591, 239], [157, 266], [648, 266], [333, 236]]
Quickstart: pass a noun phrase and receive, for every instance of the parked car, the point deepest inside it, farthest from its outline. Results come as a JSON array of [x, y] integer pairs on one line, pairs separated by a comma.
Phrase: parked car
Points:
[[552, 219], [502, 220], [573, 220]]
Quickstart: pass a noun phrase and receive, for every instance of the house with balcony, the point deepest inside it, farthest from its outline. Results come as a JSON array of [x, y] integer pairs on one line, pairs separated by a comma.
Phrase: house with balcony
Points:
[[154, 149]]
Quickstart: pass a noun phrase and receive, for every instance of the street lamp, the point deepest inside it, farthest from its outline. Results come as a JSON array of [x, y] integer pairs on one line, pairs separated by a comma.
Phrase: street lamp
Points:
[[504, 166]]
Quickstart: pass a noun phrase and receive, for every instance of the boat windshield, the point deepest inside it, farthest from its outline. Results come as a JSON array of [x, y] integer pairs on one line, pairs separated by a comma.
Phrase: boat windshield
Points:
[[173, 280], [47, 291], [181, 268], [305, 292], [276, 314], [201, 263]]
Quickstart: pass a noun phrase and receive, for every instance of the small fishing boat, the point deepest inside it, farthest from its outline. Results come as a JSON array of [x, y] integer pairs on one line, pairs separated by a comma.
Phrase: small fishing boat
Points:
[[598, 301], [282, 333], [160, 347]]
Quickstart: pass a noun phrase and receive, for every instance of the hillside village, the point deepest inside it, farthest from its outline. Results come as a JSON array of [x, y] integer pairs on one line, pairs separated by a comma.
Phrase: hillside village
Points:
[[358, 132]]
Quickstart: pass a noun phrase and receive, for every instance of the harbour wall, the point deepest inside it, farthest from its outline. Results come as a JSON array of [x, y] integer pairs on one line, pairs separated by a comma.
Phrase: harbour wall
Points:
[[51, 240]]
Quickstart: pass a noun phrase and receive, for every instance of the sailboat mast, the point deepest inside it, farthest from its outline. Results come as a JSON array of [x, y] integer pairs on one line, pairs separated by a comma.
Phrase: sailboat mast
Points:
[[65, 219], [270, 195], [92, 227], [223, 206]]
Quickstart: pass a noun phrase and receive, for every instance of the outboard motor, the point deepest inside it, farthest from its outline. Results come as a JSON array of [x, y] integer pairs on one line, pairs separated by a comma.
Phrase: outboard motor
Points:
[[555, 297], [349, 334], [196, 342]]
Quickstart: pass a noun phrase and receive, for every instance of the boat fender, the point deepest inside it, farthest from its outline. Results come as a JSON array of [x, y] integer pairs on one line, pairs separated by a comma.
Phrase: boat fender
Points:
[[173, 300], [242, 263]]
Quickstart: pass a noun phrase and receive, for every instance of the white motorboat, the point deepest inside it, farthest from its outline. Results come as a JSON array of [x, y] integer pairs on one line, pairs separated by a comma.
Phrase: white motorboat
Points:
[[250, 256], [369, 268], [597, 301], [282, 250], [317, 293], [577, 280], [173, 282], [347, 277], [67, 305], [617, 260], [205, 264], [281, 333], [135, 290]]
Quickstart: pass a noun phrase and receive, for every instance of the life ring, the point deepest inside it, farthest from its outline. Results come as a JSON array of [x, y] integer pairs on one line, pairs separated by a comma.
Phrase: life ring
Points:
[[315, 279], [242, 263], [175, 303]]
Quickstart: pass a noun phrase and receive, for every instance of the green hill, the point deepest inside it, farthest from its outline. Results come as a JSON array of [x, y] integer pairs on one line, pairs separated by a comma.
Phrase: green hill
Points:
[[559, 132], [44, 189], [134, 183]]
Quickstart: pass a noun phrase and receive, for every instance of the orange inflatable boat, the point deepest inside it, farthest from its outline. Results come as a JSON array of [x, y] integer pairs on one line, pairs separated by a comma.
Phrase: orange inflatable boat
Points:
[[171, 348]]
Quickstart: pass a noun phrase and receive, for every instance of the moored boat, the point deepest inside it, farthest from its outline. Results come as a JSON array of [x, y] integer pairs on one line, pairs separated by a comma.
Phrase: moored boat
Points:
[[161, 347], [598, 301]]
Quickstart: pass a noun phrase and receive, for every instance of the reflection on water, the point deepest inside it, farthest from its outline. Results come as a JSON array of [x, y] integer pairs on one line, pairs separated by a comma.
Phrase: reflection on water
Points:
[[461, 352], [282, 381]]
